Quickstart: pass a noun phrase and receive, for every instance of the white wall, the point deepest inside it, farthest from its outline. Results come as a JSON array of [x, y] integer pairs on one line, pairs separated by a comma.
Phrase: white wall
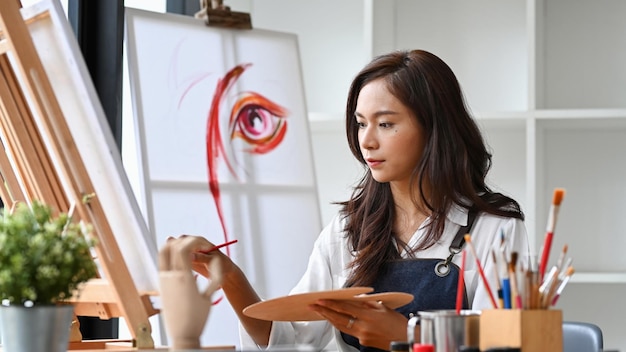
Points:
[[332, 44], [496, 50], [335, 42], [337, 38]]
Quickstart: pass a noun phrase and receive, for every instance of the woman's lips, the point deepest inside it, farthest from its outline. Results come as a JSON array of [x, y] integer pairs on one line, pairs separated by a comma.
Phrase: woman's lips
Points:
[[374, 162]]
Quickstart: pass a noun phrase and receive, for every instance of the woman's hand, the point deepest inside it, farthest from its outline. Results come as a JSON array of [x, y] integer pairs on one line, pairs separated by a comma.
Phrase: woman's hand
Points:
[[200, 261], [372, 323]]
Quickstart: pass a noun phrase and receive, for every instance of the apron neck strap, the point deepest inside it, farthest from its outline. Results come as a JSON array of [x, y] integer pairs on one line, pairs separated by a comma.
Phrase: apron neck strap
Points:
[[459, 240]]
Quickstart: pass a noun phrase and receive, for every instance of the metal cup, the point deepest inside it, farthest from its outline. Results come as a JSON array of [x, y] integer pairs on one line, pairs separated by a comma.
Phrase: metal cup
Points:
[[448, 331]]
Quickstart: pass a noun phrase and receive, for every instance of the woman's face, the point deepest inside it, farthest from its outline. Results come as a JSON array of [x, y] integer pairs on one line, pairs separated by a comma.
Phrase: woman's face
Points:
[[390, 138]]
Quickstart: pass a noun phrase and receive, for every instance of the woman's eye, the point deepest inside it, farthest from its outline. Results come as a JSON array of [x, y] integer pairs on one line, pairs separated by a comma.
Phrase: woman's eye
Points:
[[258, 121]]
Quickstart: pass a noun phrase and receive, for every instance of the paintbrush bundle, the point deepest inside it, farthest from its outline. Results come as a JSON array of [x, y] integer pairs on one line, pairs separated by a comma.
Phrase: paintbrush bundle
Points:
[[531, 287], [522, 288], [526, 293], [529, 324], [550, 288]]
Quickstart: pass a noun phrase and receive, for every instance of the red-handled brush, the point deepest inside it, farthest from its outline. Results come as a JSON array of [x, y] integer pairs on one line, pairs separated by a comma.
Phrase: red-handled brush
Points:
[[481, 271], [547, 243], [461, 285], [207, 251]]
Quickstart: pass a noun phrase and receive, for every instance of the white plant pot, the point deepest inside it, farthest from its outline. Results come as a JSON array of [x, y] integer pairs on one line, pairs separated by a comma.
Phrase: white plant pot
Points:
[[37, 328]]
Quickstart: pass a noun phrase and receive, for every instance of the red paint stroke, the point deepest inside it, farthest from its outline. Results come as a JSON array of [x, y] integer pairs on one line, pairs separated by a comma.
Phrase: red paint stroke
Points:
[[254, 118], [214, 144], [175, 82]]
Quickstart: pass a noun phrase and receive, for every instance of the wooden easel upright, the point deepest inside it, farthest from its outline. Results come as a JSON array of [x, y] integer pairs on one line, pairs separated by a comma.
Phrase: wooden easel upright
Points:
[[39, 160]]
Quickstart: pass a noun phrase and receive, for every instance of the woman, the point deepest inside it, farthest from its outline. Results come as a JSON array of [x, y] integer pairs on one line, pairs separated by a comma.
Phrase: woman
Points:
[[423, 189]]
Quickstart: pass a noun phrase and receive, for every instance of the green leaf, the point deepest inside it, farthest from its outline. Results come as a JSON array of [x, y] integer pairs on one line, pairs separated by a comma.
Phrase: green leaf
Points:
[[43, 258]]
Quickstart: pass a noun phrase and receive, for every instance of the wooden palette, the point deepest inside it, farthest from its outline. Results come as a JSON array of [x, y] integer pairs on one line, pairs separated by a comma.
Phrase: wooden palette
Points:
[[296, 307]]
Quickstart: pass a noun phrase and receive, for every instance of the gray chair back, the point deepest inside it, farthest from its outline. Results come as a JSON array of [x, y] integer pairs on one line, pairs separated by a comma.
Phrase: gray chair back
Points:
[[582, 337]]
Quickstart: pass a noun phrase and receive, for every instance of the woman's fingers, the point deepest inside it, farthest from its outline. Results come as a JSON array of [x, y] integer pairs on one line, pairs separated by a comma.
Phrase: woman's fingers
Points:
[[341, 314], [348, 308], [371, 322]]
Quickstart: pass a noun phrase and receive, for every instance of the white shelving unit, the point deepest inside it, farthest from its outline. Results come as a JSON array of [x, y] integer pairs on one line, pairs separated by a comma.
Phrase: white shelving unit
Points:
[[546, 80]]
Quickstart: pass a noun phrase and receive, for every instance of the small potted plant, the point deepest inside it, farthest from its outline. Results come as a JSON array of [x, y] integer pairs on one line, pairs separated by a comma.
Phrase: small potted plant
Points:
[[44, 258]]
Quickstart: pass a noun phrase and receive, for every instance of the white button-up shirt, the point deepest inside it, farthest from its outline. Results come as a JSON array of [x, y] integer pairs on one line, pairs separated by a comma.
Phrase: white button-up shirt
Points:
[[327, 270]]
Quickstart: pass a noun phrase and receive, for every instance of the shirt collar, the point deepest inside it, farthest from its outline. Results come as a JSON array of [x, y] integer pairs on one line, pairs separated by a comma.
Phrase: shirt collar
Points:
[[458, 215]]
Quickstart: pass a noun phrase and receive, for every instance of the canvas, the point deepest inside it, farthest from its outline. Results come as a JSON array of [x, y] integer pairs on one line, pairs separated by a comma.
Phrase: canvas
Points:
[[68, 75], [223, 147]]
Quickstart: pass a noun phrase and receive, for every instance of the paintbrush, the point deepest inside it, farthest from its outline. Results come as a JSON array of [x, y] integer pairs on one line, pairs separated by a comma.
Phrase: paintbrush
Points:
[[559, 262], [564, 268], [560, 275], [546, 285], [528, 288], [481, 271], [559, 290], [461, 285], [513, 277], [557, 198], [506, 282], [498, 286], [207, 251]]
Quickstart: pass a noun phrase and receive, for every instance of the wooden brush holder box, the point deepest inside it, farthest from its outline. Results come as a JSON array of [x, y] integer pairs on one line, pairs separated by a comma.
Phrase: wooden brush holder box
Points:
[[529, 330]]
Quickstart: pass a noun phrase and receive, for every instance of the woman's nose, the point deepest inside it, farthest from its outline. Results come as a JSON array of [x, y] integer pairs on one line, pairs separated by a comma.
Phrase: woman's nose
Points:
[[368, 138]]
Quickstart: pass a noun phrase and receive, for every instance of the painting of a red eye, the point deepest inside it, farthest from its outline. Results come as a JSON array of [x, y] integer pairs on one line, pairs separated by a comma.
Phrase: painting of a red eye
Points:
[[258, 121]]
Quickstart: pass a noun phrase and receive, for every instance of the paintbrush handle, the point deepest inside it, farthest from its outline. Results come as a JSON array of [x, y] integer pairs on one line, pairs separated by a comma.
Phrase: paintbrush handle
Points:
[[486, 283], [207, 251], [498, 285], [545, 254], [518, 302], [515, 297], [481, 271], [506, 293], [461, 285], [559, 290]]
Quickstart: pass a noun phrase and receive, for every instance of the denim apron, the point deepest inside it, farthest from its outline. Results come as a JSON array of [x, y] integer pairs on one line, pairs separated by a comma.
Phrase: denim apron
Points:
[[432, 282]]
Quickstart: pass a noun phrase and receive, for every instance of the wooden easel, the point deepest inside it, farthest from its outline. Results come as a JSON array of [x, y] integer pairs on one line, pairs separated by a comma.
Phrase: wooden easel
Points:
[[39, 160]]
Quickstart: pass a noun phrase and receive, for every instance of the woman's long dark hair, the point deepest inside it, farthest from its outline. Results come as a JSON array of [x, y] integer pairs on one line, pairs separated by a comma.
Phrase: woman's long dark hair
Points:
[[451, 171]]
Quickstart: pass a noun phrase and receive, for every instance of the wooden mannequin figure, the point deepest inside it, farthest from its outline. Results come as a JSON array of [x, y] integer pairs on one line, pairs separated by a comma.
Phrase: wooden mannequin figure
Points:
[[185, 309]]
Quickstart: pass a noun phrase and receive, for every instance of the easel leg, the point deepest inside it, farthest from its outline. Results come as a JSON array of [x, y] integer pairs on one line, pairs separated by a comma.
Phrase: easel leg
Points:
[[75, 334]]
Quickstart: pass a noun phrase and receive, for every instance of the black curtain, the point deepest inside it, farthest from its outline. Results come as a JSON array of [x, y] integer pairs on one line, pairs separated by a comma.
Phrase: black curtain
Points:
[[99, 27]]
